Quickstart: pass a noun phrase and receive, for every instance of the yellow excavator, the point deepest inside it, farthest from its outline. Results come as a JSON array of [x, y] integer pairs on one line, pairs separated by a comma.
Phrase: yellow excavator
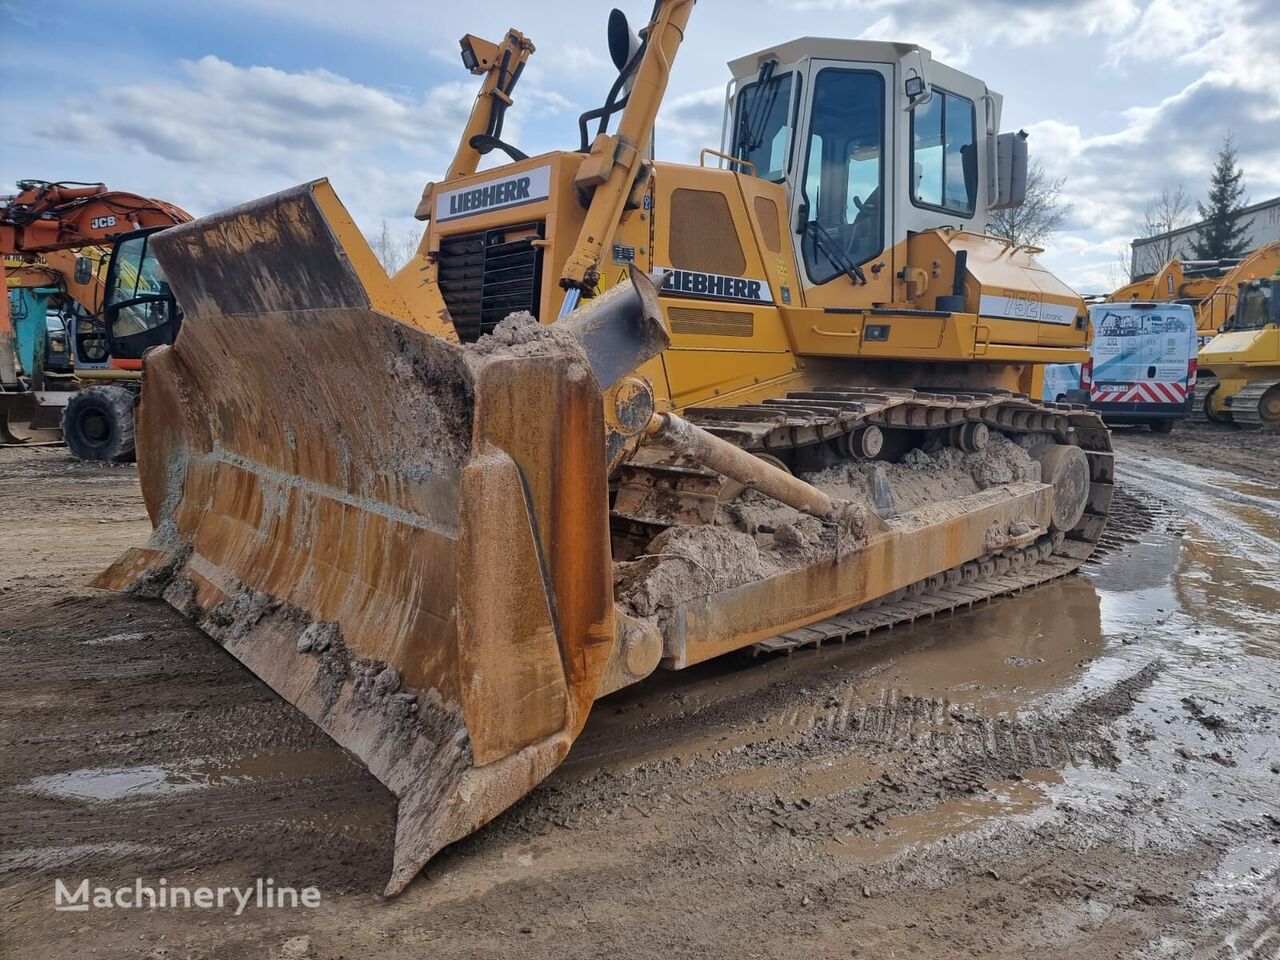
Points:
[[1209, 286], [617, 414]]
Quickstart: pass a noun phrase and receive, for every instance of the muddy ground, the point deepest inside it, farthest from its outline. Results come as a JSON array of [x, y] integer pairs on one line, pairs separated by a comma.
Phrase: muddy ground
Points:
[[1089, 769]]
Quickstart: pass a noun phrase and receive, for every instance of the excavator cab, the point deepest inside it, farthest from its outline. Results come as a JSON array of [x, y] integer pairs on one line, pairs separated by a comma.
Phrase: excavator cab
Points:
[[139, 310]]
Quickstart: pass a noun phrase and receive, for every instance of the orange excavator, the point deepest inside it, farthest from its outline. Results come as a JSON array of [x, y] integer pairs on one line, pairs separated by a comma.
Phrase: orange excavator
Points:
[[88, 247]]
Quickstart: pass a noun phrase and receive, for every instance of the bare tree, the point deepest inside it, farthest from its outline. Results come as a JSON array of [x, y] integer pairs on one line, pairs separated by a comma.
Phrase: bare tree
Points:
[[1164, 214], [393, 250], [1041, 215], [1118, 271]]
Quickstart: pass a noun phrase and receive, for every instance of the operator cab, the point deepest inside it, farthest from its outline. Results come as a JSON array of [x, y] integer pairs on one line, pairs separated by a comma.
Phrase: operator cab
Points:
[[1258, 306], [139, 311], [872, 141]]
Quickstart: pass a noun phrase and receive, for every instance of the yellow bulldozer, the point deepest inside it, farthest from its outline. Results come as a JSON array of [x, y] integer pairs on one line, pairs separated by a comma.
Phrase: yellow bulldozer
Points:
[[617, 414], [1240, 367]]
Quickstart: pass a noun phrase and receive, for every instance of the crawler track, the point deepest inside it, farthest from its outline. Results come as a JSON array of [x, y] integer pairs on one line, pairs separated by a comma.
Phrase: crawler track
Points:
[[1252, 407], [655, 493]]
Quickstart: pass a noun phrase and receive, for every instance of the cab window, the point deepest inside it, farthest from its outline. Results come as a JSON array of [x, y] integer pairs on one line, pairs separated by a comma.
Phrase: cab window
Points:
[[1257, 308], [844, 173], [139, 290], [762, 127], [944, 156]]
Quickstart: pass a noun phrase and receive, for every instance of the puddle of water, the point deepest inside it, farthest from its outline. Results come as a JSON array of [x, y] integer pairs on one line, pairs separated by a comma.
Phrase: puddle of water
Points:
[[1003, 799], [105, 783], [1003, 654], [1248, 488], [822, 780], [96, 784]]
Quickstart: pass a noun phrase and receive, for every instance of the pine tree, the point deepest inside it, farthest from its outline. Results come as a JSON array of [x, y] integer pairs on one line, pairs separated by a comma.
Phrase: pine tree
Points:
[[1223, 235]]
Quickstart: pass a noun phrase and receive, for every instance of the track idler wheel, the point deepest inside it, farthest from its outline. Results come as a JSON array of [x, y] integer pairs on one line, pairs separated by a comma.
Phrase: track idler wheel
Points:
[[970, 437], [863, 444], [1211, 413], [1269, 408], [1066, 469]]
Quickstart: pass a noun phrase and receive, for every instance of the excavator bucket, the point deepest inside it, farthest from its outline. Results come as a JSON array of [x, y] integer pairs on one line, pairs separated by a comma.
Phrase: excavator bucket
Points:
[[406, 538]]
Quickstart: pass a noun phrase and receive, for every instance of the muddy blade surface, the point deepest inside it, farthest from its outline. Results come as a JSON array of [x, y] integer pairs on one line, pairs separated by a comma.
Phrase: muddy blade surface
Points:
[[370, 520]]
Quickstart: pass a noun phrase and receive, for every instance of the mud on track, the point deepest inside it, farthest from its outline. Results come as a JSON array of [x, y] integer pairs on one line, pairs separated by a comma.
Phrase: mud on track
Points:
[[1089, 769]]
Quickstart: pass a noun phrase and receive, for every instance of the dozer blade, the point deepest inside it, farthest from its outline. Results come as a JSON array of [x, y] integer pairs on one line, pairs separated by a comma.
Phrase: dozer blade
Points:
[[405, 538]]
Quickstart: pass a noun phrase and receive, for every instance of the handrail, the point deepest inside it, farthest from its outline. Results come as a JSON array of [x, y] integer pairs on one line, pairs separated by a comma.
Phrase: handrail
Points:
[[702, 157]]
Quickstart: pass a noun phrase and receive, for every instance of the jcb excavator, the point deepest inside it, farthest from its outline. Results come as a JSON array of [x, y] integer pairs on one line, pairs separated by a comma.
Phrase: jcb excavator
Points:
[[87, 246], [443, 514]]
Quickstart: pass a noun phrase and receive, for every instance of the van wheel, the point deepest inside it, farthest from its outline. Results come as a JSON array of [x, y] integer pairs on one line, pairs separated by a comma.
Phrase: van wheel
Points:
[[1161, 426], [98, 424]]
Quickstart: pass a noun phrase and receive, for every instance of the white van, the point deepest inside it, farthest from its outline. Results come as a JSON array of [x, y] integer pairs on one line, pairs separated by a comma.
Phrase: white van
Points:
[[1142, 364]]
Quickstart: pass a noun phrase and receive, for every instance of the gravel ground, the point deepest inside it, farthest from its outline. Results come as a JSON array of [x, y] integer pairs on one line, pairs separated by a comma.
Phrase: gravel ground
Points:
[[1089, 769]]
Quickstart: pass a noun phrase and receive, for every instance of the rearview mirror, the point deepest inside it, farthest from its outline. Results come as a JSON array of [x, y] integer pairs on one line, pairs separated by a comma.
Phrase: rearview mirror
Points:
[[84, 270], [1012, 166]]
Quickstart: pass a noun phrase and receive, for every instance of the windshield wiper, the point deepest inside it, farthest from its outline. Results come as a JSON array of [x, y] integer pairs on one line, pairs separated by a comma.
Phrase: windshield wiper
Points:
[[828, 247], [751, 129]]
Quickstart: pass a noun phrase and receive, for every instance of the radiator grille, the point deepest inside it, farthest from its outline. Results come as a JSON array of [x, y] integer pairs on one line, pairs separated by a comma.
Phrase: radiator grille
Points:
[[486, 275], [719, 323], [767, 217], [702, 234]]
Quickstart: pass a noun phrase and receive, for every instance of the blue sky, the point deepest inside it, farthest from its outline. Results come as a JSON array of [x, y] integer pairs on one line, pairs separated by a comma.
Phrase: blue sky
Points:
[[212, 104]]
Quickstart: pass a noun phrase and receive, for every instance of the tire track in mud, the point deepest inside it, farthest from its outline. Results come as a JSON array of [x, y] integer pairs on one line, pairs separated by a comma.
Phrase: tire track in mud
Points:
[[924, 763], [1200, 500]]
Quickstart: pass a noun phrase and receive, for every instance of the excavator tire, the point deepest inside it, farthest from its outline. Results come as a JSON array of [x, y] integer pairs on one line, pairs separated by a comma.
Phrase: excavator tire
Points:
[[98, 424]]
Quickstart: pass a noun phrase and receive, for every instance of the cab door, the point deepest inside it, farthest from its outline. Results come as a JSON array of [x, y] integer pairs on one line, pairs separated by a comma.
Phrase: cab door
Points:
[[139, 311], [842, 194]]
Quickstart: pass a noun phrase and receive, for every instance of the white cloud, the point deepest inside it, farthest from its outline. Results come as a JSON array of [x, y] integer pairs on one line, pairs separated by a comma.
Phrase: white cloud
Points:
[[969, 24], [1122, 97]]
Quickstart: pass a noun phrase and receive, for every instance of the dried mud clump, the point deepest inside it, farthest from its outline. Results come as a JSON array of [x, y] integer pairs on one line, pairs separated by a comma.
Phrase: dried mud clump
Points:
[[523, 335], [684, 563]]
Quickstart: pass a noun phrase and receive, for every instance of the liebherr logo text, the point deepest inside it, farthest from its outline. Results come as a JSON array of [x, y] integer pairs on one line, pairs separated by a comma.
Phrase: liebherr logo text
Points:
[[160, 895], [714, 286], [494, 195], [512, 192]]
